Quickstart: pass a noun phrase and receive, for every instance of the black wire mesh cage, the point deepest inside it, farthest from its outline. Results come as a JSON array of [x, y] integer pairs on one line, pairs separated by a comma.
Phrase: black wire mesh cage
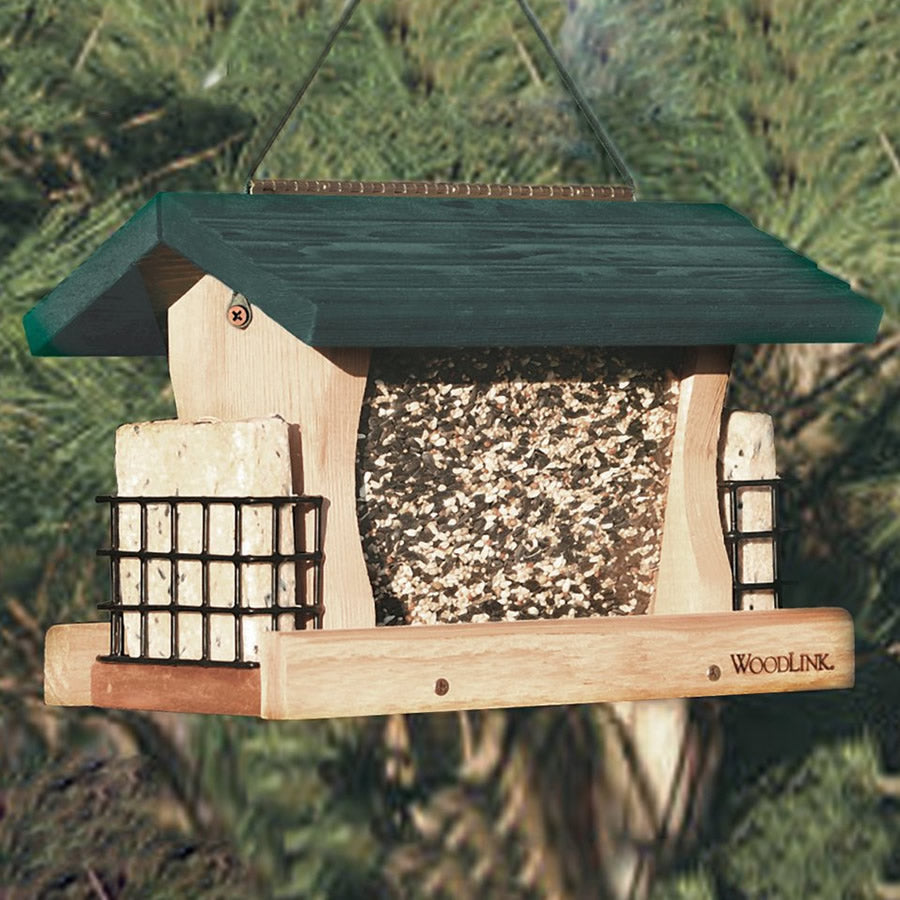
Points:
[[755, 554], [196, 580]]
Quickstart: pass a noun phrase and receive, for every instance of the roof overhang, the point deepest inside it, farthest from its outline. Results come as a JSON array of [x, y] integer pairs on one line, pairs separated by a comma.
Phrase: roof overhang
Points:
[[374, 271]]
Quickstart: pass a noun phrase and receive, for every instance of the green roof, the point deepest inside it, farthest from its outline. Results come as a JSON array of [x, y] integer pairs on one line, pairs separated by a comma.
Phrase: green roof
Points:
[[374, 271]]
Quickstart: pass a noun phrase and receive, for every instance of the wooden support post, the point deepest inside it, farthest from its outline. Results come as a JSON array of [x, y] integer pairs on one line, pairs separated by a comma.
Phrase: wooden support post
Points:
[[655, 738], [167, 275], [225, 372], [694, 575]]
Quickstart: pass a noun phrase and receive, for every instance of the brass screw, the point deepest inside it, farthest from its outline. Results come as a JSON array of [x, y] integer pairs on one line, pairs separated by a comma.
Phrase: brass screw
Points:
[[239, 315], [713, 673], [441, 687]]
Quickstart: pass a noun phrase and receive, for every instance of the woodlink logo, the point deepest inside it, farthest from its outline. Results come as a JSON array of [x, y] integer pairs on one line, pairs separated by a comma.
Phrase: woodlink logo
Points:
[[751, 664]]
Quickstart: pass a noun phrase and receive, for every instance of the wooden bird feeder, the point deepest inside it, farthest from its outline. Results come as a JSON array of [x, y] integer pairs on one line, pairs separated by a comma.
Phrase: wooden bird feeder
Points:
[[442, 447]]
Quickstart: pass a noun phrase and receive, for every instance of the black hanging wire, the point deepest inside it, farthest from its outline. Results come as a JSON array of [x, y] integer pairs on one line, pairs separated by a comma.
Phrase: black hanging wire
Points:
[[581, 102], [349, 8], [568, 81]]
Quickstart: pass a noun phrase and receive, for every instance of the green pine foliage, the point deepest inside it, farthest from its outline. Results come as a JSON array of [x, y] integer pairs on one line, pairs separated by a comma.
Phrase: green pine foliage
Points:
[[438, 91], [693, 886], [786, 111], [306, 801], [812, 831], [95, 828]]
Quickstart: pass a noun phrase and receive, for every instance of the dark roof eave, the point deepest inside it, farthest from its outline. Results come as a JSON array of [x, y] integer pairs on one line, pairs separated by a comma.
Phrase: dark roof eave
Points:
[[47, 323], [482, 273]]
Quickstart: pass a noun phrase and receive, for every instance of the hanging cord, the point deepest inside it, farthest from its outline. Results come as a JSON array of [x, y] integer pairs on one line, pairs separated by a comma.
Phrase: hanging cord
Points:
[[581, 102], [349, 8], [568, 81]]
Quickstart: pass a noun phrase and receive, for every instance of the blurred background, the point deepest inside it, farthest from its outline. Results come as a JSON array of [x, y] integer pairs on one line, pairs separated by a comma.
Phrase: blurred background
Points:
[[789, 112]]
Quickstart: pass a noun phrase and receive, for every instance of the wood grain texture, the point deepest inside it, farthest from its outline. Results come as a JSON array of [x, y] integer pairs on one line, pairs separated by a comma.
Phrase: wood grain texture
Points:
[[229, 373], [74, 677], [187, 689], [694, 575], [376, 671], [69, 654], [500, 664], [371, 271], [167, 275]]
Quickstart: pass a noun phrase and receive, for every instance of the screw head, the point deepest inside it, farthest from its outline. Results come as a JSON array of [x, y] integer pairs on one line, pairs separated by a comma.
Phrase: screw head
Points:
[[713, 673], [441, 687], [238, 315]]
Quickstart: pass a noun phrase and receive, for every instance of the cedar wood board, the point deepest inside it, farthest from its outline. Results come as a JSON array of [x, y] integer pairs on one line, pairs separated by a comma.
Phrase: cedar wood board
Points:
[[377, 671]]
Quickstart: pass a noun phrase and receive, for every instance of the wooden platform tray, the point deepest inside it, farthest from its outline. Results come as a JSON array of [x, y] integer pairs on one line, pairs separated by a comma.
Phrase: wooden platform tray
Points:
[[376, 671]]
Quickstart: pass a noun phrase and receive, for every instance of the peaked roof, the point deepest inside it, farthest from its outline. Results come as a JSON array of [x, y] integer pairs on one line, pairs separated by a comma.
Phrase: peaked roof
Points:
[[376, 271]]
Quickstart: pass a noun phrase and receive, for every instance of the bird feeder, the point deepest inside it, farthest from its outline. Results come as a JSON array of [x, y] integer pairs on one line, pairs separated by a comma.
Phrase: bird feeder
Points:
[[442, 446]]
